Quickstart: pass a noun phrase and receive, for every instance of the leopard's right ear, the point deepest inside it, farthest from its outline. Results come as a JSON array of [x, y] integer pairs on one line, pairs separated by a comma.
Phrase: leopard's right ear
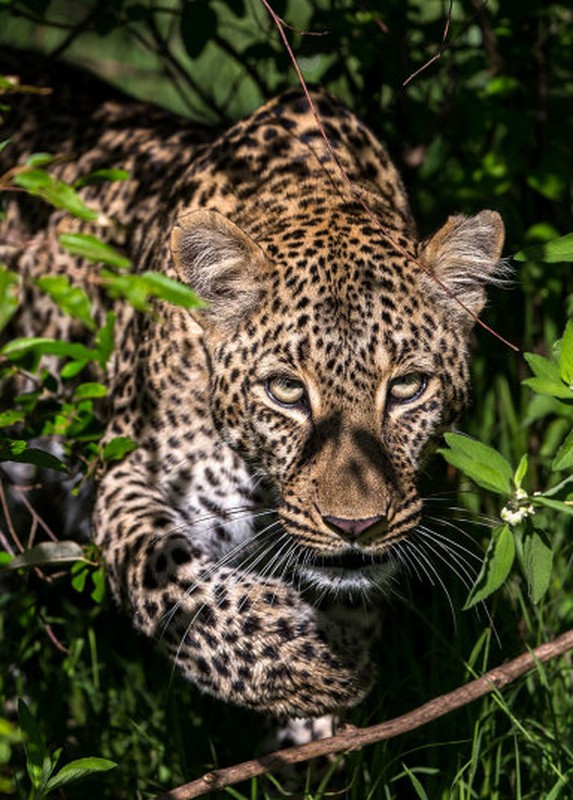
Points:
[[221, 263]]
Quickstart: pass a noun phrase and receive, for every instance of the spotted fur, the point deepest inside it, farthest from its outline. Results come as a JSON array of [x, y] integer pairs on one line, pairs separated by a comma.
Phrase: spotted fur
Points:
[[246, 532]]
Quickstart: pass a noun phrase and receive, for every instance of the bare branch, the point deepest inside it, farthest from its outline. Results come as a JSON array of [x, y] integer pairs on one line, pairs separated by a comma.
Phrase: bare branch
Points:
[[354, 739]]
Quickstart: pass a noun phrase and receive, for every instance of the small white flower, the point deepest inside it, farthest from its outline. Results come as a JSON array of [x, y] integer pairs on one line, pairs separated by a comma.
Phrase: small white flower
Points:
[[515, 515]]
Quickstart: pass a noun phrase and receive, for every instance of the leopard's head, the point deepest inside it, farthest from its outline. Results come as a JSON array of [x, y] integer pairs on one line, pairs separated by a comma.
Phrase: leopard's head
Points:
[[335, 359]]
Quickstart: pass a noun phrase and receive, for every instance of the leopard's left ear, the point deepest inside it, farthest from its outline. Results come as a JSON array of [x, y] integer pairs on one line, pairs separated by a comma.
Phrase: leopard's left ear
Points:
[[464, 256], [221, 263]]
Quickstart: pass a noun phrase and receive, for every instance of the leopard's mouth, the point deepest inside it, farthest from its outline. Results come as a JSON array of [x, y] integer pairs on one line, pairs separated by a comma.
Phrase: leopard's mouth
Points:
[[348, 561], [348, 572]]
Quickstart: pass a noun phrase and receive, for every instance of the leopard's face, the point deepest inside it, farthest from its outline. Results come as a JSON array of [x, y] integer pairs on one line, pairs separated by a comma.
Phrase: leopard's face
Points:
[[330, 375]]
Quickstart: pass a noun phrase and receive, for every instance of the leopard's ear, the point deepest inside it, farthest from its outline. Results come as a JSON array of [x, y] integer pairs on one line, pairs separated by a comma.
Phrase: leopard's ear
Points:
[[464, 256], [220, 262]]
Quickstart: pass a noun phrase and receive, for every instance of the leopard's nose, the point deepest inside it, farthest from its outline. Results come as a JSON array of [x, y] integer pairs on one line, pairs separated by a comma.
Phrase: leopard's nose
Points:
[[351, 529]]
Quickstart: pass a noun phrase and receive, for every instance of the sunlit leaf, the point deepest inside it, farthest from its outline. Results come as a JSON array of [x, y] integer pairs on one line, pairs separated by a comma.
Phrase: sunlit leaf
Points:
[[92, 248], [547, 378], [481, 463], [11, 417], [566, 355], [520, 472], [89, 390], [39, 159], [55, 192], [496, 566], [117, 448], [72, 300], [159, 285], [565, 507], [78, 769], [50, 347], [101, 175], [564, 456], [105, 340], [137, 289], [557, 250], [9, 285]]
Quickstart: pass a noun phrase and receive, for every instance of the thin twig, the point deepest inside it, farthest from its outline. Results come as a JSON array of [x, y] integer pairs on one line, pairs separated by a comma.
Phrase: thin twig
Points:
[[357, 738], [443, 46], [479, 5]]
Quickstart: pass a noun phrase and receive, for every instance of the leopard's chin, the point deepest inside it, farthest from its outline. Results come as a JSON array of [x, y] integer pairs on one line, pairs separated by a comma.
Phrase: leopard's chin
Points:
[[349, 573]]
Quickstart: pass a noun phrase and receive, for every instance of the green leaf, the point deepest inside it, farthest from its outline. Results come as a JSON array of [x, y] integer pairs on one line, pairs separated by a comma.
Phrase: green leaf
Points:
[[138, 288], [159, 285], [5, 558], [105, 340], [47, 554], [92, 248], [38, 762], [566, 355], [132, 287], [557, 250], [564, 456], [72, 300], [33, 180], [502, 85], [558, 488], [73, 368], [484, 465], [496, 566], [547, 378], [198, 25], [55, 192], [537, 562], [118, 447], [557, 505], [101, 175], [98, 580], [551, 388], [78, 769], [39, 159], [542, 367], [89, 390], [9, 286], [48, 347], [520, 472], [11, 417], [14, 451], [79, 574], [416, 783]]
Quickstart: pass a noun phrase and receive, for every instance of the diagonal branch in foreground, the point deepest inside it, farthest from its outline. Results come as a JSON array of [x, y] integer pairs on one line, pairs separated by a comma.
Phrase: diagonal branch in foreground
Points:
[[354, 739]]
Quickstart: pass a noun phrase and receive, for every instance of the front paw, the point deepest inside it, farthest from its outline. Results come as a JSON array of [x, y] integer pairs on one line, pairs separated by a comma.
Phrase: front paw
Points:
[[256, 643]]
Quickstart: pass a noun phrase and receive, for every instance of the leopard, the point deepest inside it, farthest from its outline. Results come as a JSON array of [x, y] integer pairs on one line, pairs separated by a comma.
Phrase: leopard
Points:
[[271, 501]]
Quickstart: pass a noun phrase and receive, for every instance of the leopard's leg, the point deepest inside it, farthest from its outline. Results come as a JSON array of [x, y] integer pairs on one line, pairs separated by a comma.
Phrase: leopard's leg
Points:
[[248, 640]]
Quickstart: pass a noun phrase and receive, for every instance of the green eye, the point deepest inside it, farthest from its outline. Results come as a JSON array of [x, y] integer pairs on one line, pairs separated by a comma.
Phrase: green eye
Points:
[[407, 387], [286, 391]]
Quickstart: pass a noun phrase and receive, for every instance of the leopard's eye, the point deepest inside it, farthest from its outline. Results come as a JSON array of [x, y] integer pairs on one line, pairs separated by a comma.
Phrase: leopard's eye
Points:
[[286, 391], [407, 387]]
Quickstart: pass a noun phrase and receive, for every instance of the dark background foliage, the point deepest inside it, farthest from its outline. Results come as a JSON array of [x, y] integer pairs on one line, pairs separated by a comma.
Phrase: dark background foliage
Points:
[[474, 102]]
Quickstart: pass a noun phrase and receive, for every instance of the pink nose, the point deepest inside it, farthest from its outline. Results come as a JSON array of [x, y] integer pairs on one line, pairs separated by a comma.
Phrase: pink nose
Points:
[[352, 528]]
